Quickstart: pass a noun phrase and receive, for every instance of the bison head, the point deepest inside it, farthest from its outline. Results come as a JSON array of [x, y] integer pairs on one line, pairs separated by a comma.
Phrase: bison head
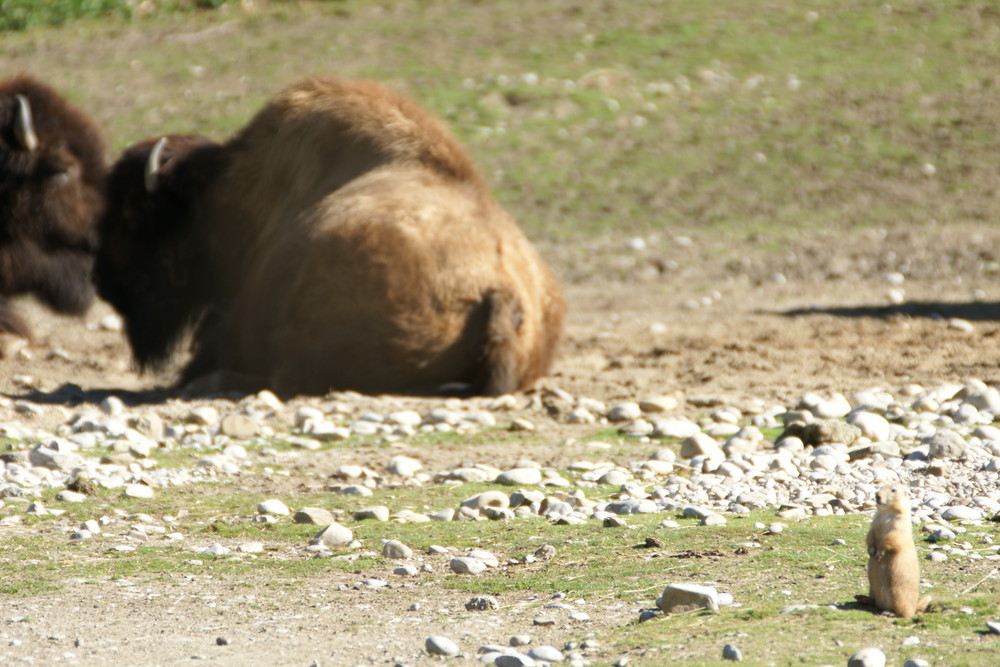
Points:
[[52, 173], [151, 260]]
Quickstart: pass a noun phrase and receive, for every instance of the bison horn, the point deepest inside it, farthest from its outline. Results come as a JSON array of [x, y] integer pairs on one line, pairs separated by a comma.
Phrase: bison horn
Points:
[[153, 165], [24, 127]]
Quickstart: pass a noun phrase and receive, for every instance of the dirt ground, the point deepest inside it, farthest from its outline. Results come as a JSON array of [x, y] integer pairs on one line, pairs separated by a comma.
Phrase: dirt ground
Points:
[[694, 318], [701, 319]]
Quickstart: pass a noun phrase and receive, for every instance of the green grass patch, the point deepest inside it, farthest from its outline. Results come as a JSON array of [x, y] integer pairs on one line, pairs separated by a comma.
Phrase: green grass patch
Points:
[[711, 119]]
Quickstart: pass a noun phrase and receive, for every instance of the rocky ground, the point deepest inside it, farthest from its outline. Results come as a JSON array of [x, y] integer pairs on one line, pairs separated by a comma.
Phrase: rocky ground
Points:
[[668, 336]]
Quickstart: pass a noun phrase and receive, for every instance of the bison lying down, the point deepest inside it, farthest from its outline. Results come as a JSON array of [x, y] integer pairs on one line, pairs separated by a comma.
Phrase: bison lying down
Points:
[[342, 240], [51, 181]]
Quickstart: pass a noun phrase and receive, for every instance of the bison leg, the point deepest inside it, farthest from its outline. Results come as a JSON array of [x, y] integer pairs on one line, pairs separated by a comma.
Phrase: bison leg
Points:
[[60, 278], [11, 322], [14, 331], [500, 371]]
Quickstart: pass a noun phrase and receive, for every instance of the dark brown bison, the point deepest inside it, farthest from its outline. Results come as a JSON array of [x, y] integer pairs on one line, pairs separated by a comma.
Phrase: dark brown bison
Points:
[[52, 170], [341, 240]]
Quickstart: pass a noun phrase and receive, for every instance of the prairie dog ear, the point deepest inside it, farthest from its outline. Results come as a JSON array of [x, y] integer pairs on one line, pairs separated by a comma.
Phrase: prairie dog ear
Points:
[[24, 125]]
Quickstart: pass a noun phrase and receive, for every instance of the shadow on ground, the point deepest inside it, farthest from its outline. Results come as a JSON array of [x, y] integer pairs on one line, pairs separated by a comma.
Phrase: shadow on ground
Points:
[[71, 395], [975, 311]]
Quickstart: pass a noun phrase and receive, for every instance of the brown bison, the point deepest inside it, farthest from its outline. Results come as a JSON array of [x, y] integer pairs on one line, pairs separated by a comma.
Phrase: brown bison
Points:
[[52, 171], [341, 240]]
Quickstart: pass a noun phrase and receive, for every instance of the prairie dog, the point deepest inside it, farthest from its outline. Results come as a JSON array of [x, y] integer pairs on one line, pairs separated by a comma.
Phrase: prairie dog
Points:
[[893, 570]]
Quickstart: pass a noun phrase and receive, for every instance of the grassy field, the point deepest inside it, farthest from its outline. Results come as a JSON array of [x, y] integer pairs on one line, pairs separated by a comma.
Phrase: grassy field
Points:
[[590, 118]]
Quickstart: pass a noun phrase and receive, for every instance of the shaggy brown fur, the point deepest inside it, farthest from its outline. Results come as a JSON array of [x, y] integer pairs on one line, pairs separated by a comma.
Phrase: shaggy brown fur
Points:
[[51, 193], [342, 240], [893, 569]]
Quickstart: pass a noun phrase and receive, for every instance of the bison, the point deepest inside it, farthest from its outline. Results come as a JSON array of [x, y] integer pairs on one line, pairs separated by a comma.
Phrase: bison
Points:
[[52, 170], [342, 240]]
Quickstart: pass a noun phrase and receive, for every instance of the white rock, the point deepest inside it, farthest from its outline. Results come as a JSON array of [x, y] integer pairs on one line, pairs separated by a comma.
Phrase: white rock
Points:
[[658, 404], [376, 512], [138, 491], [867, 657], [674, 427], [396, 550], [466, 565], [624, 412], [204, 415], [497, 499], [700, 444], [962, 513], [874, 427], [334, 535], [520, 477], [441, 645], [687, 597], [404, 466], [273, 506]]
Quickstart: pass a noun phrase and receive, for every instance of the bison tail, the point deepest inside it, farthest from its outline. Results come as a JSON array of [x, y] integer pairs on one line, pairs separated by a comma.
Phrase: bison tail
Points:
[[500, 369]]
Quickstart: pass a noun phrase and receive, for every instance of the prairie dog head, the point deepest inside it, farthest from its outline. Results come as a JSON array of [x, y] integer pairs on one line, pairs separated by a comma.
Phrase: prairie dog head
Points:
[[893, 497]]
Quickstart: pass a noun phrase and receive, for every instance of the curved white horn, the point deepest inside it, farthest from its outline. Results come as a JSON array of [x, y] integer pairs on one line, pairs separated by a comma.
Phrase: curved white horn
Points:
[[24, 126], [153, 165]]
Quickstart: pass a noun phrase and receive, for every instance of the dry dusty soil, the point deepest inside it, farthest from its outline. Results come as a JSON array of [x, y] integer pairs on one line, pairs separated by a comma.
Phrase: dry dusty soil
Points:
[[701, 319]]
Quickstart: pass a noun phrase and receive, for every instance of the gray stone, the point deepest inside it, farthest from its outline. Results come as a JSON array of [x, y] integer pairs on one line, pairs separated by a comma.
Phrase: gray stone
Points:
[[68, 496], [396, 550], [497, 499], [867, 657], [238, 426], [946, 444], [546, 653], [488, 558], [941, 534], [632, 506], [149, 425], [916, 662], [273, 506], [830, 431], [731, 652], [676, 427], [686, 597], [204, 415], [514, 659], [140, 491], [624, 412], [404, 466], [714, 520], [333, 535], [409, 418], [56, 454], [962, 513], [520, 477], [441, 645], [376, 512], [700, 444], [466, 565], [874, 427], [313, 515]]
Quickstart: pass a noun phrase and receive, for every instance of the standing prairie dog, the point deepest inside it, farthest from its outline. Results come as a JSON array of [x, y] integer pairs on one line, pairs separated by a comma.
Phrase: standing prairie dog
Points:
[[893, 571]]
